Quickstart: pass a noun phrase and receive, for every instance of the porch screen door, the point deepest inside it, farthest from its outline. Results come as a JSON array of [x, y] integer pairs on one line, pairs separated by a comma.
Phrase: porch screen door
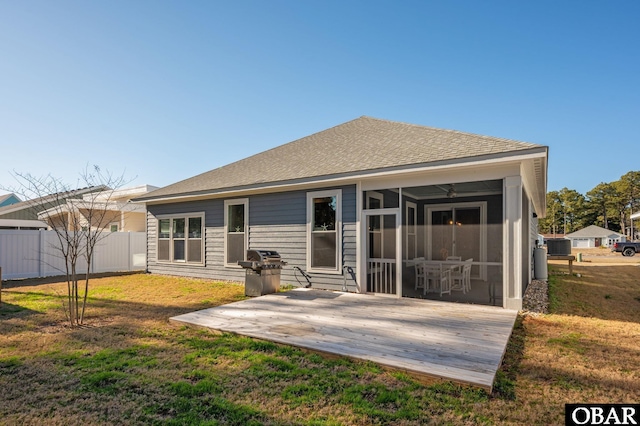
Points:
[[382, 252]]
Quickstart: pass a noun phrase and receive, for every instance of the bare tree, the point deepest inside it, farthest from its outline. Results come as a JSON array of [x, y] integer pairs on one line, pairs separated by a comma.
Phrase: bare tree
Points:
[[78, 216]]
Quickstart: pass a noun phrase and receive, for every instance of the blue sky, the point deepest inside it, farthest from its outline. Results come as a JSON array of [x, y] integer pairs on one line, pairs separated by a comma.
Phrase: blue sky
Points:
[[164, 90]]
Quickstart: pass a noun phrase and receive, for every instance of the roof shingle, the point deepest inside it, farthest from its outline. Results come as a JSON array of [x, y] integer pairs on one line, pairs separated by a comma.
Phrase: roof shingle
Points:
[[360, 145]]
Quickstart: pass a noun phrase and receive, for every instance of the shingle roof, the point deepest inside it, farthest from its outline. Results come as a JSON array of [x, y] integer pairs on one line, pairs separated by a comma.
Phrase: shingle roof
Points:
[[592, 231], [360, 145]]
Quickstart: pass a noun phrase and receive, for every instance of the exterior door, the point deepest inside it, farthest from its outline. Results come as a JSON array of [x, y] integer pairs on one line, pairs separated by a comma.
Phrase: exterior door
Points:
[[382, 251]]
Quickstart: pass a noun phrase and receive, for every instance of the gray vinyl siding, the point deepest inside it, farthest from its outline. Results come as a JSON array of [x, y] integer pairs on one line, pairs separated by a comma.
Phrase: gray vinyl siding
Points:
[[21, 215], [277, 221]]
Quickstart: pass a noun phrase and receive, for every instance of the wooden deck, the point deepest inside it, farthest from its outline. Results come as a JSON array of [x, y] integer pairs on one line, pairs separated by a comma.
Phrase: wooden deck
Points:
[[459, 342]]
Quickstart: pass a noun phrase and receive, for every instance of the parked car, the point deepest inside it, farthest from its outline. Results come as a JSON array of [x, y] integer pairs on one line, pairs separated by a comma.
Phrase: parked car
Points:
[[627, 248]]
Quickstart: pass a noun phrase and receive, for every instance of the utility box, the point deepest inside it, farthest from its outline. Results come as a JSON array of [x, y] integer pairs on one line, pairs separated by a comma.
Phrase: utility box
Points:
[[558, 246]]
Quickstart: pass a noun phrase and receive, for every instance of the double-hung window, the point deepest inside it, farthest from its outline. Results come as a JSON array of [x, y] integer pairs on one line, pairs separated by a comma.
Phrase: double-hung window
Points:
[[180, 239], [324, 231], [236, 227]]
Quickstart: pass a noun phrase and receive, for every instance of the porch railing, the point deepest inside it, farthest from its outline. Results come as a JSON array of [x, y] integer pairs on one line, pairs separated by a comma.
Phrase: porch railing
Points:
[[381, 276]]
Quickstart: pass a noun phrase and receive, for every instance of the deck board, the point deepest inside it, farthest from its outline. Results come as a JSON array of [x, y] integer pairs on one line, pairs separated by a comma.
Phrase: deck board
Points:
[[458, 342]]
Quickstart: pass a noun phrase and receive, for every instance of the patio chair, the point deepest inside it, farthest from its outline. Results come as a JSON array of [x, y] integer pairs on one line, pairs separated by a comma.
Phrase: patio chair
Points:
[[468, 277], [455, 269], [461, 281], [437, 279], [420, 278], [419, 269]]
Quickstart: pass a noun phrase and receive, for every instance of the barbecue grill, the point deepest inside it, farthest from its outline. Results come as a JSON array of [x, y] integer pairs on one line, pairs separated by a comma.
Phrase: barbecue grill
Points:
[[263, 272]]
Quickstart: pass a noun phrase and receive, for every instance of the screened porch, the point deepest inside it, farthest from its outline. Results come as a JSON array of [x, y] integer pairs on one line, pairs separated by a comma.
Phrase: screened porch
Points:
[[438, 242]]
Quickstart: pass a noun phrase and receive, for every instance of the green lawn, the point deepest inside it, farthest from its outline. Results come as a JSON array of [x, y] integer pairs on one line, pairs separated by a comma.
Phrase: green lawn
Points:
[[130, 366]]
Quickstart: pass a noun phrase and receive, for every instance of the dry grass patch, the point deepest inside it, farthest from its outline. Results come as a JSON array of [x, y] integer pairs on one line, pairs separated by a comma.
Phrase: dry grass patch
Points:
[[605, 292], [587, 349], [128, 365]]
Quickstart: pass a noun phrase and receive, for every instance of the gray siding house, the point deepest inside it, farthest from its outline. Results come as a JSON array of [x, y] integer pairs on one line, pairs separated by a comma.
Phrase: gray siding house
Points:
[[358, 206]]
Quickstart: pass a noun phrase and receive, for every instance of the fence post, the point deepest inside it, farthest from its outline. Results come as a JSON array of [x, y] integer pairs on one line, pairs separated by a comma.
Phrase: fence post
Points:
[[0, 285], [41, 259]]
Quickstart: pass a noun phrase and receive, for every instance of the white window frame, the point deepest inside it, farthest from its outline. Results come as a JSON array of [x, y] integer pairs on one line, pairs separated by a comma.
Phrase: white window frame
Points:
[[116, 224], [227, 204], [414, 206], [374, 195], [337, 193], [186, 238]]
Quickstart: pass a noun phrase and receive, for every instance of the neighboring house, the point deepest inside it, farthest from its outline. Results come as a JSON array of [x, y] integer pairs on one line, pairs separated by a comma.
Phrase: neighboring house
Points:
[[8, 199], [354, 206], [29, 209], [594, 236], [109, 210]]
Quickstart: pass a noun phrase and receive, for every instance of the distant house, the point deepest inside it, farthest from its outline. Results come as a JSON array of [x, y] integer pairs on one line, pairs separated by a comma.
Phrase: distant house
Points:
[[594, 236], [358, 206], [29, 209], [8, 199], [109, 210]]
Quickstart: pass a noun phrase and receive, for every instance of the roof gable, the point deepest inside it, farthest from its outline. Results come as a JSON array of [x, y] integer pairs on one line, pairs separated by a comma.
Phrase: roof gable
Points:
[[592, 231], [361, 145], [8, 199]]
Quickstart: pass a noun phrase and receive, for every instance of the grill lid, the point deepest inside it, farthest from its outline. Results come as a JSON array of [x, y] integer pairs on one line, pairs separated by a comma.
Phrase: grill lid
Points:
[[263, 256], [262, 259]]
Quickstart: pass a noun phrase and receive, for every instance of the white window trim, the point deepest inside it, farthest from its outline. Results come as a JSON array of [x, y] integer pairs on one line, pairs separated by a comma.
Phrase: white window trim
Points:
[[117, 224], [234, 202], [376, 196], [414, 206], [186, 217], [321, 194]]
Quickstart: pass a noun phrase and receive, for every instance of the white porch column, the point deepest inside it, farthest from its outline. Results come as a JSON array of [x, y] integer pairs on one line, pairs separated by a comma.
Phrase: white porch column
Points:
[[512, 279]]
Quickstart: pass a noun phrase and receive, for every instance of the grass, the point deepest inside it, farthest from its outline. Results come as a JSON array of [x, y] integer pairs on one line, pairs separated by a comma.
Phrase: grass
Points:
[[128, 365]]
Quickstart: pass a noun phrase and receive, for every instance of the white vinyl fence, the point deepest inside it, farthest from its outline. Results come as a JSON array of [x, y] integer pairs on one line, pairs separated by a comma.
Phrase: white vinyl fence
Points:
[[31, 254]]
